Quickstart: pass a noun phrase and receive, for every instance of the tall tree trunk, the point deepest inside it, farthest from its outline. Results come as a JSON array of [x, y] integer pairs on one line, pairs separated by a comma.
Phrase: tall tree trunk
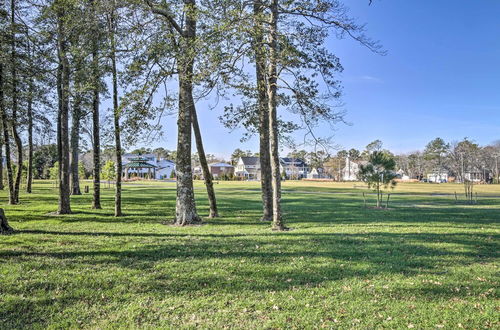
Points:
[[260, 67], [185, 211], [15, 134], [273, 117], [1, 159], [203, 162], [116, 116], [5, 129], [29, 179], [75, 132], [96, 201], [63, 136]]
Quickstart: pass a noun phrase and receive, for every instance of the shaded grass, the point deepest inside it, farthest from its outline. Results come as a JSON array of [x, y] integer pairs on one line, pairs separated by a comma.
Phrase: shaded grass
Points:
[[427, 262]]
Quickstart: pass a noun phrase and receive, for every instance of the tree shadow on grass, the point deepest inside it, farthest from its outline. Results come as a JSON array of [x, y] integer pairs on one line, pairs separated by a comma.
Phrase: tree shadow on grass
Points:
[[405, 252], [191, 264]]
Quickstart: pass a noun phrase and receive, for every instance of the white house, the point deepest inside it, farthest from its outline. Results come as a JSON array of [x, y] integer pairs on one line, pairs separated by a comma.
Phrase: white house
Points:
[[317, 173], [351, 170], [165, 169], [294, 168], [248, 168], [438, 176], [402, 175], [162, 168]]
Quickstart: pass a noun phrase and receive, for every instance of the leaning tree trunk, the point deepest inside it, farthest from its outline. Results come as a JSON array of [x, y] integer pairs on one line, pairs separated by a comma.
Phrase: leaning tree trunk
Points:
[[185, 209], [63, 136], [265, 161], [96, 201], [15, 134], [273, 118], [203, 162], [4, 224], [116, 118]]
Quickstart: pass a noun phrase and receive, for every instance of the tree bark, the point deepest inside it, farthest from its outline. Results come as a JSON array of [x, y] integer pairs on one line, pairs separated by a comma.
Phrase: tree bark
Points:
[[185, 212], [2, 109], [75, 133], [6, 139], [203, 162], [96, 201], [29, 179], [260, 67], [4, 224], [273, 117], [1, 156], [15, 134], [63, 136], [116, 117]]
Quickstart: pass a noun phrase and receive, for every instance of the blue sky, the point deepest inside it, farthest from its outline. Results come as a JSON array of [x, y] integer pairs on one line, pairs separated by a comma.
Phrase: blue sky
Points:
[[441, 77]]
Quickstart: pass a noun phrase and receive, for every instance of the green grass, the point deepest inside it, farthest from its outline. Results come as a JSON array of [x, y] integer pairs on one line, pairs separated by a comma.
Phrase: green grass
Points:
[[426, 262]]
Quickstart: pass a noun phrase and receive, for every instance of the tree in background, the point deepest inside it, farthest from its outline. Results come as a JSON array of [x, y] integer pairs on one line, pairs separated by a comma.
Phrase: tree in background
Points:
[[54, 172], [435, 154], [162, 153], [81, 171], [379, 172], [109, 171], [237, 153], [354, 154], [370, 148], [44, 158]]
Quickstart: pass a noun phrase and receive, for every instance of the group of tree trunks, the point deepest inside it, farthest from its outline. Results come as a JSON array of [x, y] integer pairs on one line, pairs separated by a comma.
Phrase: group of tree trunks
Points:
[[88, 48]]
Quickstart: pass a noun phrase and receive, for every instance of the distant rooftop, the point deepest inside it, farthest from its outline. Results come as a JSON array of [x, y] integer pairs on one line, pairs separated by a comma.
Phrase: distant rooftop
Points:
[[250, 160], [221, 165]]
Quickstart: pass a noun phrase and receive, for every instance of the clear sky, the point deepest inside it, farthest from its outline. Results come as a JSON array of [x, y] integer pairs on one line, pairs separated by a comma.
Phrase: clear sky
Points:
[[441, 77]]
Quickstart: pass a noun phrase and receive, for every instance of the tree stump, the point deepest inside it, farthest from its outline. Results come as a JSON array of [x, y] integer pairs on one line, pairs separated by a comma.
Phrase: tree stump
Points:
[[4, 224], [86, 189]]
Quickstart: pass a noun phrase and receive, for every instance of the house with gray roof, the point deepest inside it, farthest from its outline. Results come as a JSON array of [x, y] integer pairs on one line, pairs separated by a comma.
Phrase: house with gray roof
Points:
[[248, 168]]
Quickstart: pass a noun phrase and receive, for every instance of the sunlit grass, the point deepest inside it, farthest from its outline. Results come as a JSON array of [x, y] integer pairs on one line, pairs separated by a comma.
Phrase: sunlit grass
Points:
[[426, 262]]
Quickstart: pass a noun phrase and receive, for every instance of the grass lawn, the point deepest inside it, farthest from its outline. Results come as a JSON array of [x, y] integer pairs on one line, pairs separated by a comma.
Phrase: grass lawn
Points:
[[427, 262]]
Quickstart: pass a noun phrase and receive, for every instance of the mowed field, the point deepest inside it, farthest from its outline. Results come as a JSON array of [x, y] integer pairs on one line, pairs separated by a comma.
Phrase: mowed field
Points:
[[426, 262]]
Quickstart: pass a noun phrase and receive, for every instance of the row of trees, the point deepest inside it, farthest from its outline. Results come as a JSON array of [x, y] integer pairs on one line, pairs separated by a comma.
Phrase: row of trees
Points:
[[460, 159], [465, 160], [60, 58]]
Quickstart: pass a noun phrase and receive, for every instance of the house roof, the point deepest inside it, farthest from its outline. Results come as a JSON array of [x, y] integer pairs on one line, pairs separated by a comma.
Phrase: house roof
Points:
[[292, 161], [164, 161], [221, 165], [130, 156], [139, 162], [250, 160]]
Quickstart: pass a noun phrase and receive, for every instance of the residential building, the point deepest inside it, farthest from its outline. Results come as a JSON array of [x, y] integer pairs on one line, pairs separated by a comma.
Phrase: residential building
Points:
[[218, 169], [317, 173], [438, 176], [294, 168], [351, 170], [148, 165], [248, 168]]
